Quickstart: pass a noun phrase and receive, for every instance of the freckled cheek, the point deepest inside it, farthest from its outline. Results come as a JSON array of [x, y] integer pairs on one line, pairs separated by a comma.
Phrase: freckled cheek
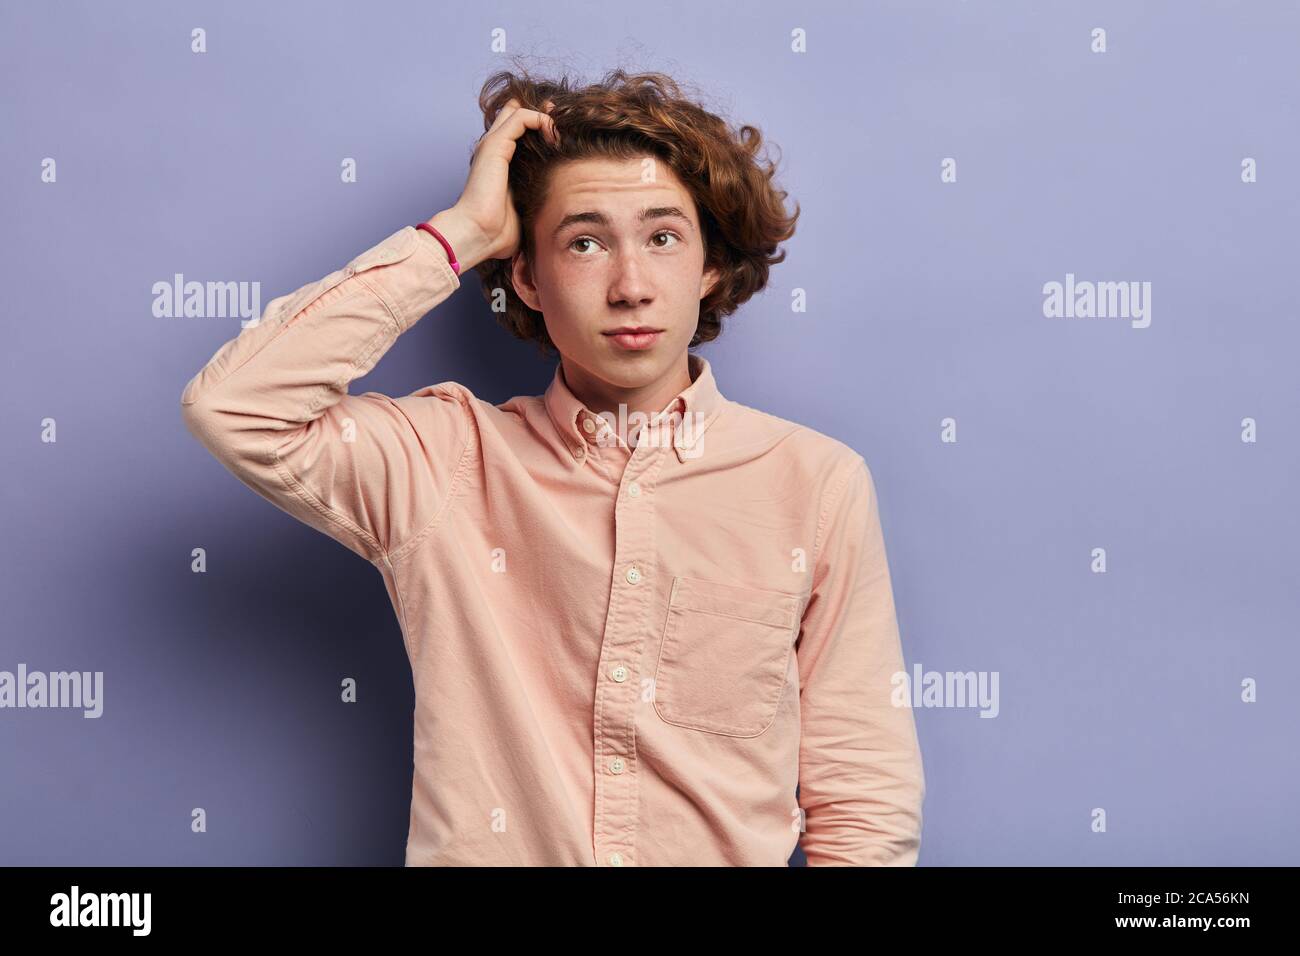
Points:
[[555, 284], [573, 300], [574, 291], [561, 272]]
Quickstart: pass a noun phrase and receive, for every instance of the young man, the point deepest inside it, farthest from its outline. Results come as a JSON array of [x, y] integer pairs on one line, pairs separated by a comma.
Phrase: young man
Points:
[[638, 614]]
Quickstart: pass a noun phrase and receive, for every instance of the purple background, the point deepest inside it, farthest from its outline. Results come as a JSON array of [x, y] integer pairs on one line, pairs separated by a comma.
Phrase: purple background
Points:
[[1119, 690]]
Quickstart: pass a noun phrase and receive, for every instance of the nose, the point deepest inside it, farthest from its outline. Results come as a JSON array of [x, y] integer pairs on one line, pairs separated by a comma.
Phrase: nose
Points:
[[629, 284]]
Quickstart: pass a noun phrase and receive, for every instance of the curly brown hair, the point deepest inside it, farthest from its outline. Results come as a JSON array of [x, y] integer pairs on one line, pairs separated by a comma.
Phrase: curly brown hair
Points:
[[626, 116]]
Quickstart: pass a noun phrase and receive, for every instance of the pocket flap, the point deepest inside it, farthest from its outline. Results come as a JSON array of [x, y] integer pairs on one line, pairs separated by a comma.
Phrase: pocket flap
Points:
[[750, 604]]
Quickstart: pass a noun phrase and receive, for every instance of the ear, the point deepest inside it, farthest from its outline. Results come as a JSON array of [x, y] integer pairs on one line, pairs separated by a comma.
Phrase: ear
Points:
[[708, 280], [521, 276]]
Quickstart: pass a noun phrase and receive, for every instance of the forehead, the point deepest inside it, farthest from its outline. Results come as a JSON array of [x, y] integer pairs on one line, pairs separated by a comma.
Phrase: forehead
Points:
[[618, 185]]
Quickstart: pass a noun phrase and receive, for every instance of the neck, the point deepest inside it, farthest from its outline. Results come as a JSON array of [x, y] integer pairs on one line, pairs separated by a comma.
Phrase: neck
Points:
[[650, 399]]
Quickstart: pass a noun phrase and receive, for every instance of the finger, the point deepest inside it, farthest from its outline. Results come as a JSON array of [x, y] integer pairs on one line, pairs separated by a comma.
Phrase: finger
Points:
[[502, 117], [504, 113], [550, 122], [525, 119]]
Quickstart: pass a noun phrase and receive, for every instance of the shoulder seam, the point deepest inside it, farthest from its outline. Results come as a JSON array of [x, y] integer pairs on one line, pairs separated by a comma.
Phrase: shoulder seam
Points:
[[831, 498], [293, 484], [397, 552]]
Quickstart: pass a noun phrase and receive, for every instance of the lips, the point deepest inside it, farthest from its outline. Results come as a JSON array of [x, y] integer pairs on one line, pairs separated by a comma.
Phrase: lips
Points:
[[634, 337]]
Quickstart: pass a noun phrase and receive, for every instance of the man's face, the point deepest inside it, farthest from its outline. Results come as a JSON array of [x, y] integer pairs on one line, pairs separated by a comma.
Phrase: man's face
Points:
[[617, 244]]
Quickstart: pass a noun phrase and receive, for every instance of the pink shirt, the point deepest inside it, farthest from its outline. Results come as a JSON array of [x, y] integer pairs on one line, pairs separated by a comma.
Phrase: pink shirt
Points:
[[622, 656]]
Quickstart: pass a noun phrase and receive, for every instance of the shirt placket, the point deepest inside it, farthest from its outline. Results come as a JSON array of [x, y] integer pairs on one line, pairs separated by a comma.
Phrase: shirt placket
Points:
[[627, 627]]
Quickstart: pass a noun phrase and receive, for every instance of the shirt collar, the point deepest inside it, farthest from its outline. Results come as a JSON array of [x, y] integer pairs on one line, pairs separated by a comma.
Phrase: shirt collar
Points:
[[579, 428]]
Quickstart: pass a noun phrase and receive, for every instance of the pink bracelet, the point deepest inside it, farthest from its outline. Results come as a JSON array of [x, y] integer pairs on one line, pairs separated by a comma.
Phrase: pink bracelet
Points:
[[455, 266]]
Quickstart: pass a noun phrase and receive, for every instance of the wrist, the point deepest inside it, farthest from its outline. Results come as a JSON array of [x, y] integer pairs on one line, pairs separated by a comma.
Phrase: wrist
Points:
[[465, 238]]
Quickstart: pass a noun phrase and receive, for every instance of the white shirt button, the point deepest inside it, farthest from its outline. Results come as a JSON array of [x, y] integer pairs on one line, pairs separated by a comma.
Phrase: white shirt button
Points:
[[579, 451], [616, 765], [633, 575], [619, 673], [588, 425], [615, 859], [634, 489]]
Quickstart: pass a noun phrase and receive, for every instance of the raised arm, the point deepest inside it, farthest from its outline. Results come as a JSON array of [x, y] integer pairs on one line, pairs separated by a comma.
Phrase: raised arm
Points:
[[272, 404]]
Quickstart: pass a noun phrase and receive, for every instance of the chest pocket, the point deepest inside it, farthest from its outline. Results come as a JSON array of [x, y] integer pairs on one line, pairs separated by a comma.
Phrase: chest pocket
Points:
[[723, 657]]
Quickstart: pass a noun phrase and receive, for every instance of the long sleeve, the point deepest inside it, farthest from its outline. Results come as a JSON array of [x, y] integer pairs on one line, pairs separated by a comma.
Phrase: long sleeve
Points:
[[861, 783], [272, 405]]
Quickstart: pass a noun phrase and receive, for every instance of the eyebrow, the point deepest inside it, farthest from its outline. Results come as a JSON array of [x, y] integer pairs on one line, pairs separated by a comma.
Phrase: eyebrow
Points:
[[600, 219]]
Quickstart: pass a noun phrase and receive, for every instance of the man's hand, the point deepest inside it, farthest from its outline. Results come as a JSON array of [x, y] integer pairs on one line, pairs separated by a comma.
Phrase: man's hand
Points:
[[483, 223]]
